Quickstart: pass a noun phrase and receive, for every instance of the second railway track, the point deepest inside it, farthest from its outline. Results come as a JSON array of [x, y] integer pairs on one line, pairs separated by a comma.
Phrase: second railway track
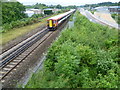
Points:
[[17, 55], [16, 50]]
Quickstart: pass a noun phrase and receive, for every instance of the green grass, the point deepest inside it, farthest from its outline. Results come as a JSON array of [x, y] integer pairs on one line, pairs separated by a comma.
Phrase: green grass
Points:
[[85, 56], [12, 34]]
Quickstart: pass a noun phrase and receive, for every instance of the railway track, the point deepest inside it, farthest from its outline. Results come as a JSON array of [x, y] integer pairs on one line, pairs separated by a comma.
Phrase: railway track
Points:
[[4, 50], [20, 54], [13, 57]]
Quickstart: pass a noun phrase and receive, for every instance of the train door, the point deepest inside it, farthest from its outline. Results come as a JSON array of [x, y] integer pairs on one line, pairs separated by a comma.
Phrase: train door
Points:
[[54, 23], [50, 23]]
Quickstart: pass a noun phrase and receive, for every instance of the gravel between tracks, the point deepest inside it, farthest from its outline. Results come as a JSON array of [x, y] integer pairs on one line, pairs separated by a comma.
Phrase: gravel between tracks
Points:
[[30, 62]]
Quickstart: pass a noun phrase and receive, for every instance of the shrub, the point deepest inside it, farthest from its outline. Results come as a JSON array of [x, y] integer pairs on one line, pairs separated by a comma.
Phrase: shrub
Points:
[[20, 23]]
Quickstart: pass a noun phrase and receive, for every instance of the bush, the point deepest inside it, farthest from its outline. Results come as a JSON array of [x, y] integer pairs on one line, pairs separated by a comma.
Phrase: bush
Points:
[[6, 27], [48, 12], [37, 15], [20, 23], [116, 17]]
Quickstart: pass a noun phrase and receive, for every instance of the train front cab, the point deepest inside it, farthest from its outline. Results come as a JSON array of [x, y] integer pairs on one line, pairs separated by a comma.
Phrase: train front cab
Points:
[[52, 24]]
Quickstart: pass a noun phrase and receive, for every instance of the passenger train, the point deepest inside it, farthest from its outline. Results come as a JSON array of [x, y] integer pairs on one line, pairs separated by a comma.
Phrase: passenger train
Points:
[[55, 21]]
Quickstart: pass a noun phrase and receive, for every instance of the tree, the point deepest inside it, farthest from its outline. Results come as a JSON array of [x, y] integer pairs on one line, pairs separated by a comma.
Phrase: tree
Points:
[[12, 0], [36, 8], [102, 4], [12, 11], [59, 6], [4, 0], [48, 12]]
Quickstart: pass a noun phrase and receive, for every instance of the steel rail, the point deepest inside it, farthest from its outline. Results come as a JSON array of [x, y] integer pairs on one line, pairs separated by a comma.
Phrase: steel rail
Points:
[[22, 47], [19, 61], [8, 52]]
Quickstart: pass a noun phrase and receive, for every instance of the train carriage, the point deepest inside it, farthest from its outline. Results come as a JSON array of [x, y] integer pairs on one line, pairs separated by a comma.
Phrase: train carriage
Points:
[[55, 21]]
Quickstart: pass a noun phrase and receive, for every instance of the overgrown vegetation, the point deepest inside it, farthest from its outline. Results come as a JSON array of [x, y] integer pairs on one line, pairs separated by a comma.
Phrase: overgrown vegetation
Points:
[[12, 11], [37, 6], [13, 15], [35, 18], [103, 4], [85, 56], [92, 11], [20, 23], [116, 17], [44, 6], [48, 12]]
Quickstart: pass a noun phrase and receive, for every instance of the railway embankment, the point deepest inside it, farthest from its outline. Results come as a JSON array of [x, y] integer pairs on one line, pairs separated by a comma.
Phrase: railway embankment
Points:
[[84, 56]]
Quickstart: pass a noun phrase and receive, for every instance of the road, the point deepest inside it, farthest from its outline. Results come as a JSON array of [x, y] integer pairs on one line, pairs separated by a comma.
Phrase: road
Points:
[[95, 19]]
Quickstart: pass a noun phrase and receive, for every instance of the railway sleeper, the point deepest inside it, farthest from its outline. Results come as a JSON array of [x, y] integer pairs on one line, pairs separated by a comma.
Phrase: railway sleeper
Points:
[[17, 60], [6, 68], [2, 72], [20, 57], [9, 65], [13, 63], [1, 76], [2, 81], [23, 55], [26, 53]]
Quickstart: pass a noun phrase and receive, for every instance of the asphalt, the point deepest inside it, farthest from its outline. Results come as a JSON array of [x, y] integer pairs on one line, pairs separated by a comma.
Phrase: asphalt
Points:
[[96, 19]]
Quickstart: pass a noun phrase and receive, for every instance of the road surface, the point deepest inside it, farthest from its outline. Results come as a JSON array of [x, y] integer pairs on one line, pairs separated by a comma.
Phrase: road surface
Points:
[[95, 19]]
